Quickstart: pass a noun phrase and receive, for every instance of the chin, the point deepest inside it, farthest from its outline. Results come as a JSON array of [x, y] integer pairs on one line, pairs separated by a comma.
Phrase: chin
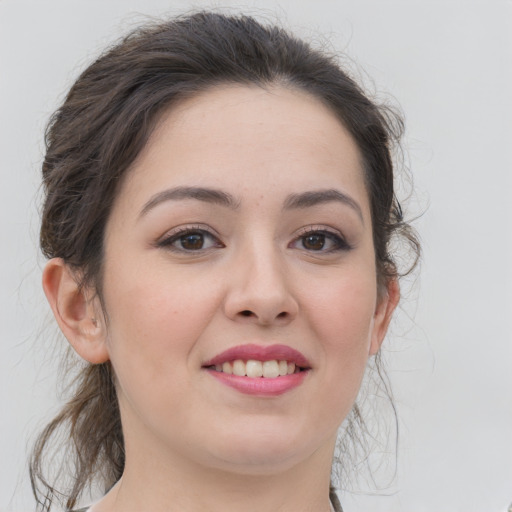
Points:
[[254, 463], [264, 450]]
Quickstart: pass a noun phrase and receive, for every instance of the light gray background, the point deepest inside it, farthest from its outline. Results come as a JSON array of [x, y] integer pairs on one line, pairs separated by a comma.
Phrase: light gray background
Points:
[[448, 64]]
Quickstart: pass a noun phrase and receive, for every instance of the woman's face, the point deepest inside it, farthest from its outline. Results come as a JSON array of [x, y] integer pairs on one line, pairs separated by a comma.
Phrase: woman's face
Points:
[[242, 233]]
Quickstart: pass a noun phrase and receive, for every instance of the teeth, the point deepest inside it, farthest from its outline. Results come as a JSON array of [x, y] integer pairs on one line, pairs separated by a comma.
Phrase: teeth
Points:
[[283, 367], [239, 368], [254, 369], [270, 369], [227, 367]]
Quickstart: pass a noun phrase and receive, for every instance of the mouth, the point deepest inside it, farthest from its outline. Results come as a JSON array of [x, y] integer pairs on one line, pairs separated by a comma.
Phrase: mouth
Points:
[[255, 369], [277, 368]]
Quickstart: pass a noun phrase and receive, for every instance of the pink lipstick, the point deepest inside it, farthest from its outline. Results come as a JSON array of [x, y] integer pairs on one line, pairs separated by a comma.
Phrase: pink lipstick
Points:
[[260, 353], [259, 370]]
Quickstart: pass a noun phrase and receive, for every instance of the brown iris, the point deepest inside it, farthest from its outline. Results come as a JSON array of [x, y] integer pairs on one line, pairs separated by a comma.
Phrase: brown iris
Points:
[[192, 241], [314, 242]]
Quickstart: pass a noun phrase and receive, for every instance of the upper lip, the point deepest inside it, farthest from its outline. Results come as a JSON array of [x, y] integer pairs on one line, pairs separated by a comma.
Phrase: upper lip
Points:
[[260, 353]]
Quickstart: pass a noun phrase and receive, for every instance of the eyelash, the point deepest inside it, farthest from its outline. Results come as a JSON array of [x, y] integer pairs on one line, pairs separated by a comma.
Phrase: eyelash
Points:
[[338, 241], [168, 241]]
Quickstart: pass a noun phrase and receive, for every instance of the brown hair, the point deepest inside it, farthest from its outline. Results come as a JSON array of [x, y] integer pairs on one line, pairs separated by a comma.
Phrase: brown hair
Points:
[[103, 124]]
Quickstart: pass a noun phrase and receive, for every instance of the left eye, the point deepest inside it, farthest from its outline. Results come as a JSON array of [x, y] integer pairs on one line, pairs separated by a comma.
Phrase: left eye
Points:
[[321, 241], [191, 240]]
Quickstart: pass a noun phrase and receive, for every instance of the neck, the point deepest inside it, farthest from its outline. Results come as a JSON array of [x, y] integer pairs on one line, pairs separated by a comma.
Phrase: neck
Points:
[[163, 482]]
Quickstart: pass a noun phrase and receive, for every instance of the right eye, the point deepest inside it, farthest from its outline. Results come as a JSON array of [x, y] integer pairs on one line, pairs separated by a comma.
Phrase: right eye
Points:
[[190, 240]]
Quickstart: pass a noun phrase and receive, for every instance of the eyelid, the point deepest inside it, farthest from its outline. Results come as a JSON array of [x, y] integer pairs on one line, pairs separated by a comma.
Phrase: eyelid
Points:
[[320, 228], [183, 228], [334, 234], [173, 234]]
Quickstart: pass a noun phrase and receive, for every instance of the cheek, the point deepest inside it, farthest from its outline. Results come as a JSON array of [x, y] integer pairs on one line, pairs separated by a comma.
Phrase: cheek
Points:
[[344, 309], [342, 314], [155, 319]]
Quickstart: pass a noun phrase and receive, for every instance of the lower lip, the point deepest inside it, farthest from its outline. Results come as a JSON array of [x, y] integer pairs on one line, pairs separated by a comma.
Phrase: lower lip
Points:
[[261, 386]]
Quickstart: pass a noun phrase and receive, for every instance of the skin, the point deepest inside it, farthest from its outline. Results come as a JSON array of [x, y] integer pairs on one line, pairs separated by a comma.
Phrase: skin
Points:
[[193, 443]]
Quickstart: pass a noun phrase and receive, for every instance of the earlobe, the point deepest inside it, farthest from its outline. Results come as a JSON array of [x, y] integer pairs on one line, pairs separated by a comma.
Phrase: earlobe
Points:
[[383, 314], [76, 310]]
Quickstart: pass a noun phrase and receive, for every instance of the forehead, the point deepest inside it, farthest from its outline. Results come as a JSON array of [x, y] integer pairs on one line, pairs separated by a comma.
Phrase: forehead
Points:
[[248, 139]]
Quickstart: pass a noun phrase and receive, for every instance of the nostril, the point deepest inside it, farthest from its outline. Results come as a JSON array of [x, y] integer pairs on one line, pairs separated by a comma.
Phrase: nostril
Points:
[[283, 316]]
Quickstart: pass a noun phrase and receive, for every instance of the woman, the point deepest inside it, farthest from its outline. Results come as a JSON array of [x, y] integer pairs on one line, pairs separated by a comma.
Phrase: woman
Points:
[[219, 207]]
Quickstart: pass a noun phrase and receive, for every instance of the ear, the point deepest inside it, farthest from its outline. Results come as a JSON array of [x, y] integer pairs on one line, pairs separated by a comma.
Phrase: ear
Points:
[[386, 304], [77, 311]]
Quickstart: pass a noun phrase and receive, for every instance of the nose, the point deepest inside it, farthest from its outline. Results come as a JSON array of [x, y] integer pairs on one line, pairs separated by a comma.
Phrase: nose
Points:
[[259, 289]]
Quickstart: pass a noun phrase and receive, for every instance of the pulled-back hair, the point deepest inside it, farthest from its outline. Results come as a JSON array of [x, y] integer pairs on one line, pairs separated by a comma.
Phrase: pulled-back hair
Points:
[[94, 138]]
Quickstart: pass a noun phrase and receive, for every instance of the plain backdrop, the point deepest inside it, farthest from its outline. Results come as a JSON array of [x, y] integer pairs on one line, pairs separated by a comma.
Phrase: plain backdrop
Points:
[[449, 65]]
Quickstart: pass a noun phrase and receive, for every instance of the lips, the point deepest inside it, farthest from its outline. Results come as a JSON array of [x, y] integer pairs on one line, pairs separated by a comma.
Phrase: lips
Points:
[[260, 353], [259, 370]]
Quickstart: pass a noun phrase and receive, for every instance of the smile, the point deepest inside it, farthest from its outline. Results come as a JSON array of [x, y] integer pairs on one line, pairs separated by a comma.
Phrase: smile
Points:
[[259, 370], [255, 369]]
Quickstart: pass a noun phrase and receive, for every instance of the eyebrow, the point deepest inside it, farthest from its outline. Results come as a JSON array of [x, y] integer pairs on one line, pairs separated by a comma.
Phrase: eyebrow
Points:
[[219, 197], [207, 195], [317, 197]]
